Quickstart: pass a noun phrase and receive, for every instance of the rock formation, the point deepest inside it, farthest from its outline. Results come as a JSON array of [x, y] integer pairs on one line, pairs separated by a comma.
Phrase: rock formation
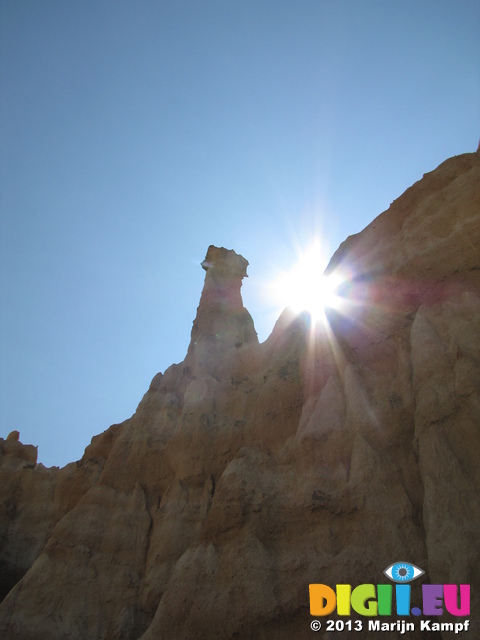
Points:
[[251, 470]]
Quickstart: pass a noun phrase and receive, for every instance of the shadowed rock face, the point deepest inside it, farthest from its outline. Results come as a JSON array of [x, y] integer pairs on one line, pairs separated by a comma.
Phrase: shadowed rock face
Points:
[[222, 325], [251, 470]]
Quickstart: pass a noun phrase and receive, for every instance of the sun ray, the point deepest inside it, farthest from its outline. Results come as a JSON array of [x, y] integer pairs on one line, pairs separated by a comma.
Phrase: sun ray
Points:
[[304, 287]]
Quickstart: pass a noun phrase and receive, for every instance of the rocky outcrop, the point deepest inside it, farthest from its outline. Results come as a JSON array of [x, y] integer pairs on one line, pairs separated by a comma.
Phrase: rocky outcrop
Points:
[[251, 470], [33, 499]]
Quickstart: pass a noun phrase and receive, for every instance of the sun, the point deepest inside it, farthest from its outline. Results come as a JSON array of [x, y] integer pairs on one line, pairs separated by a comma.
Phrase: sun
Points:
[[304, 287]]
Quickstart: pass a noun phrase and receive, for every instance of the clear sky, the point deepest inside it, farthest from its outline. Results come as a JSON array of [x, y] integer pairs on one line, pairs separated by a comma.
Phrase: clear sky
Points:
[[135, 133]]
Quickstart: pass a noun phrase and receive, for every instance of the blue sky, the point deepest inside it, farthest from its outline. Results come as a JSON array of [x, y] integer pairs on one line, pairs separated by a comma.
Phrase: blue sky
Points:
[[136, 133]]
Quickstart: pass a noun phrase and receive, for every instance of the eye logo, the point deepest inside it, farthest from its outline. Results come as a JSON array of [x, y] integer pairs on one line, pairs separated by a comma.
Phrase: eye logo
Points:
[[378, 600], [403, 572]]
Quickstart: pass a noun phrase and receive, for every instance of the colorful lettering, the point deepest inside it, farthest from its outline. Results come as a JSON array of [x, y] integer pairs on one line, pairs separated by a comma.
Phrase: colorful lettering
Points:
[[432, 599], [384, 598], [343, 599], [450, 594], [402, 595], [372, 600], [361, 595], [322, 600]]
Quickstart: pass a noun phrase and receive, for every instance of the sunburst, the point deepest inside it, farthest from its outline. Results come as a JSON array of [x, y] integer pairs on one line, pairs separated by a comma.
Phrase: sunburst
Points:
[[305, 288]]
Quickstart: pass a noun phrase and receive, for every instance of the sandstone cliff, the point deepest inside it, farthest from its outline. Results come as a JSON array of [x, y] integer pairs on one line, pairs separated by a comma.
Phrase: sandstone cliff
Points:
[[251, 470]]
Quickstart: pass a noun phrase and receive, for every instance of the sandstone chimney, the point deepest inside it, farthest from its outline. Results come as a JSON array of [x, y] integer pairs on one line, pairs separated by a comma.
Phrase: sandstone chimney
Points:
[[222, 324]]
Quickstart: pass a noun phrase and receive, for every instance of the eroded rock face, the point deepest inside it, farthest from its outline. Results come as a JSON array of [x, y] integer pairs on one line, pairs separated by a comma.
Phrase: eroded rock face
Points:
[[251, 470], [222, 325], [33, 499]]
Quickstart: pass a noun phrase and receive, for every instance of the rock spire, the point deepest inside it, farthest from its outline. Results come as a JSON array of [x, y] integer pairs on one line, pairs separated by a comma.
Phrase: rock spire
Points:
[[222, 324]]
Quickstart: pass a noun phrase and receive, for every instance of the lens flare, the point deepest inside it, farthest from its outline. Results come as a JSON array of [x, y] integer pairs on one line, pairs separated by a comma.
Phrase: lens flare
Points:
[[304, 287]]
